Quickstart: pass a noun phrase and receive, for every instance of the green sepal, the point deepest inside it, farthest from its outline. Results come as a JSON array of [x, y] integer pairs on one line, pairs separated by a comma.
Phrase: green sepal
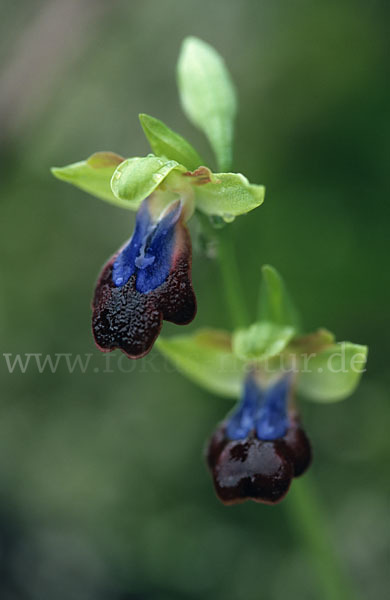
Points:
[[226, 195], [169, 144], [333, 373], [261, 341], [208, 96], [92, 175], [136, 178], [275, 304], [206, 358]]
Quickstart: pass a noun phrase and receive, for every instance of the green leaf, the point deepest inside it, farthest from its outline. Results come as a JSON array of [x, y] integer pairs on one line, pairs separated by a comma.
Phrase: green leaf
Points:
[[207, 95], [225, 194], [332, 374], [136, 178], [206, 358], [261, 341], [92, 175], [275, 304], [165, 142]]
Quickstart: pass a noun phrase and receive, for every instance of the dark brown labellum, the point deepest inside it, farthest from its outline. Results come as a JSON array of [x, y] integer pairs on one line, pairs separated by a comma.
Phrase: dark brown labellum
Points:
[[254, 469]]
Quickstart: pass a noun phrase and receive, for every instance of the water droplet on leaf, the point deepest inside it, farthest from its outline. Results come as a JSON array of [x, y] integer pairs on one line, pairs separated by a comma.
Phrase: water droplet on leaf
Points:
[[228, 218]]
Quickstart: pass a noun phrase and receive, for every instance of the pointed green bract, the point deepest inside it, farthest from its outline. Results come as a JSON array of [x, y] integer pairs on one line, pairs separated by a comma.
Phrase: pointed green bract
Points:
[[332, 374], [275, 304], [136, 178], [261, 341], [226, 195], [169, 144], [206, 358], [92, 175], [207, 95]]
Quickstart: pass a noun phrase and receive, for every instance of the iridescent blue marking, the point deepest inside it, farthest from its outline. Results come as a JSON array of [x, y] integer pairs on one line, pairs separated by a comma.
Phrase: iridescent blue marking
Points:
[[124, 265], [243, 418], [159, 249], [272, 419], [149, 251], [261, 410]]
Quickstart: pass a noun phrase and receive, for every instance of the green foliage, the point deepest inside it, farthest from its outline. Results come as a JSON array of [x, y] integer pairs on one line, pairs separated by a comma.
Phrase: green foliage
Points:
[[208, 96], [92, 175], [333, 373], [206, 358], [275, 304], [169, 144]]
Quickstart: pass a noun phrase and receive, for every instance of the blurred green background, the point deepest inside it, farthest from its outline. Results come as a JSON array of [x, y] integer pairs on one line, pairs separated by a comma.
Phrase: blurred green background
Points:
[[103, 489]]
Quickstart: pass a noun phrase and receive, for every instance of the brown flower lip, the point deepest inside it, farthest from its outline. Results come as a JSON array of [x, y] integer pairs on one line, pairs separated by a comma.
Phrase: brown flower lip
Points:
[[253, 469]]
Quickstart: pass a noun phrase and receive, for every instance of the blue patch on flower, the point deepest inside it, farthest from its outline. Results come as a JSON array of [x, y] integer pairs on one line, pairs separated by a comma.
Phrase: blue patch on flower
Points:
[[242, 421], [149, 253], [261, 410], [146, 282], [272, 420]]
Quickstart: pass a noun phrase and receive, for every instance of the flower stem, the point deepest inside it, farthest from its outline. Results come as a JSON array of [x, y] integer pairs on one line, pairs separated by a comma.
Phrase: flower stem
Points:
[[231, 280], [307, 516]]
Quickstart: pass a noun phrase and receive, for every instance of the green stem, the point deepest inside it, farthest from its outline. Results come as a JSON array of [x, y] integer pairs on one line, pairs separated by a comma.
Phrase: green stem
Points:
[[307, 516], [231, 280], [303, 506]]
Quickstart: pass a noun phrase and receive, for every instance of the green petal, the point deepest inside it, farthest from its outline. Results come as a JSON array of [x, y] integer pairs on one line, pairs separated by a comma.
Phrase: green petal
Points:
[[332, 374], [275, 304], [207, 95], [226, 195], [165, 142], [312, 343], [206, 358], [261, 341], [136, 178], [92, 175]]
